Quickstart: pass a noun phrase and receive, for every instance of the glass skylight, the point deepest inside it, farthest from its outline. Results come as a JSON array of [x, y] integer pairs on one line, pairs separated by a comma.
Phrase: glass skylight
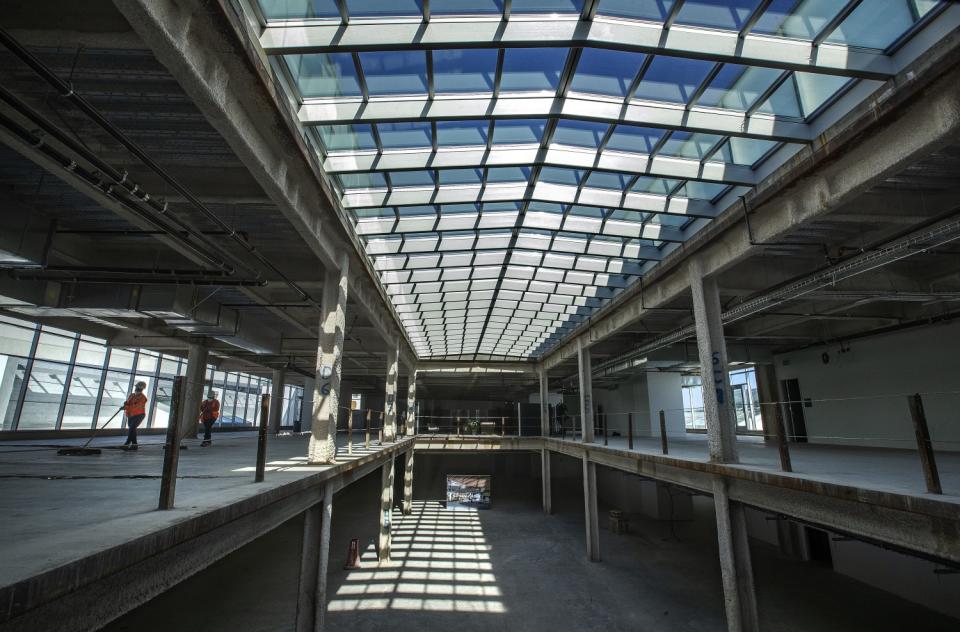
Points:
[[507, 186]]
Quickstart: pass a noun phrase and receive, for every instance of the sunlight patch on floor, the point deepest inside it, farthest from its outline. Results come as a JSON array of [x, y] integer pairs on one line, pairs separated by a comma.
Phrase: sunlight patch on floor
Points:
[[440, 561]]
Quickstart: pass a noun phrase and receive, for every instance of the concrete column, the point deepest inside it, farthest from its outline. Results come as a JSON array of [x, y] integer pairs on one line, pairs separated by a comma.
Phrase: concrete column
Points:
[[314, 559], [412, 403], [586, 391], [590, 513], [326, 396], [306, 406], [544, 405], [196, 375], [390, 400], [408, 482], [545, 479], [736, 571], [276, 399], [721, 421], [386, 512]]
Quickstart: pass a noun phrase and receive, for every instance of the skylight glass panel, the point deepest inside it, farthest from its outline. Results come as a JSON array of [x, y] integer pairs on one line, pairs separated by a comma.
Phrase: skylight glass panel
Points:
[[518, 131], [324, 74], [608, 72], [465, 7], [464, 70], [800, 20], [557, 175], [672, 79], [298, 9], [877, 23], [738, 87], [395, 72], [411, 211], [376, 8], [655, 10], [635, 139], [460, 176], [690, 144], [660, 186], [814, 90], [462, 133], [369, 180], [547, 6], [404, 135], [419, 178], [580, 133], [717, 14], [745, 151], [532, 69], [701, 190], [507, 174], [609, 180], [346, 137], [784, 101], [374, 212]]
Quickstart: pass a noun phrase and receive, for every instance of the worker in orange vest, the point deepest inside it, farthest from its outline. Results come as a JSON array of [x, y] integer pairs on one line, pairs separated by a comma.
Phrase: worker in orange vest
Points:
[[135, 408], [209, 413]]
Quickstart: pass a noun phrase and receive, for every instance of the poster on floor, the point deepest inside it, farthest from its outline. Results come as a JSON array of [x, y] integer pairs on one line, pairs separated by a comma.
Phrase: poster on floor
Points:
[[468, 491]]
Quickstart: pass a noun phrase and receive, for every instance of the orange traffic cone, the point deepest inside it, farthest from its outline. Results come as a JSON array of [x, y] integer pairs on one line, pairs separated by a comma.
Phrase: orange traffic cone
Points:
[[353, 555]]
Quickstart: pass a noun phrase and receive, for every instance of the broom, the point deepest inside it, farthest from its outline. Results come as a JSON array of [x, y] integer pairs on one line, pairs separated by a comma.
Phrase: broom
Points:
[[84, 450]]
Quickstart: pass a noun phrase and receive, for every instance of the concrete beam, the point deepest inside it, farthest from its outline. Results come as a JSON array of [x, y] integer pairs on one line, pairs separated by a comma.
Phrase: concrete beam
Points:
[[214, 57], [468, 367], [907, 118]]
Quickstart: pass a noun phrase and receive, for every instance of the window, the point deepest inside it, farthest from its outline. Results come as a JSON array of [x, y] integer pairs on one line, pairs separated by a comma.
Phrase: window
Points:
[[744, 397], [82, 397], [45, 391]]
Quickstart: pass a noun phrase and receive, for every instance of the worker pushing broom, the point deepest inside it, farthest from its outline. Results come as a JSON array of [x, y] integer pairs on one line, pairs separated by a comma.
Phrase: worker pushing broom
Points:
[[135, 408]]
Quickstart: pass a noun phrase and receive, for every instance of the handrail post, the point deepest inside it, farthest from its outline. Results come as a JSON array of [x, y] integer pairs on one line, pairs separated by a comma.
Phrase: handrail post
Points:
[[629, 431], [663, 432], [171, 455], [262, 438], [603, 423], [924, 444], [383, 420], [785, 464]]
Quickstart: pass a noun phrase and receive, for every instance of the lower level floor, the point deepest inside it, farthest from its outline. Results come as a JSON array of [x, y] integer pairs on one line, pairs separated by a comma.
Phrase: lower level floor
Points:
[[513, 568]]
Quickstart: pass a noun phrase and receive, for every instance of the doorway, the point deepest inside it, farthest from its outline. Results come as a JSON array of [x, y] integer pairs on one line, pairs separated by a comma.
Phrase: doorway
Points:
[[798, 425]]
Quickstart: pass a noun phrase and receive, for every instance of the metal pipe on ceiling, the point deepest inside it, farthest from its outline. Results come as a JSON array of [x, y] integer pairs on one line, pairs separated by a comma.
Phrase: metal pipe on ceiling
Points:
[[96, 182], [119, 178], [66, 90], [134, 279]]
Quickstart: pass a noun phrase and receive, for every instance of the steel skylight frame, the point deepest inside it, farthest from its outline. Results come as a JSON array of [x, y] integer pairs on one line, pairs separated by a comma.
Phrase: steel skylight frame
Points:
[[489, 261]]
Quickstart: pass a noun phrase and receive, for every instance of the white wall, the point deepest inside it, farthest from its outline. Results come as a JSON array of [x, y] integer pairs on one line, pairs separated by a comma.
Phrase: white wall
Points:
[[644, 395], [869, 383]]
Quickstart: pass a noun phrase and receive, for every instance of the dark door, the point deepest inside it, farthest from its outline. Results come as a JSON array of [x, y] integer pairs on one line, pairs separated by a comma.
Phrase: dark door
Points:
[[797, 430]]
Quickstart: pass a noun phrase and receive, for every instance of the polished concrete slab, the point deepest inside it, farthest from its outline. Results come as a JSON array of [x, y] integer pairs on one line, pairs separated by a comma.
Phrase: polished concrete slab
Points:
[[881, 469], [58, 509], [513, 568]]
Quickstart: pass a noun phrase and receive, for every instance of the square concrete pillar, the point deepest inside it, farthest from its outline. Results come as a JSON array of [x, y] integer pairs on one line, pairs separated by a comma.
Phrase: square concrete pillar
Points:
[[196, 380], [736, 570], [386, 512], [411, 422], [314, 560], [546, 482], [586, 391], [276, 399], [390, 398], [590, 513], [718, 409], [326, 396], [408, 482], [544, 403]]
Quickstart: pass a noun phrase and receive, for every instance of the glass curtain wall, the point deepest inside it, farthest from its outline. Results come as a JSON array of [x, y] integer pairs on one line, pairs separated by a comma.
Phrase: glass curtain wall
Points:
[[744, 395], [52, 379]]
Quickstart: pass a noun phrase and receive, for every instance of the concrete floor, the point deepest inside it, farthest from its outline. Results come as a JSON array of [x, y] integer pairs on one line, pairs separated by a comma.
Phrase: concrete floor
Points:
[[882, 469], [58, 509], [512, 568]]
